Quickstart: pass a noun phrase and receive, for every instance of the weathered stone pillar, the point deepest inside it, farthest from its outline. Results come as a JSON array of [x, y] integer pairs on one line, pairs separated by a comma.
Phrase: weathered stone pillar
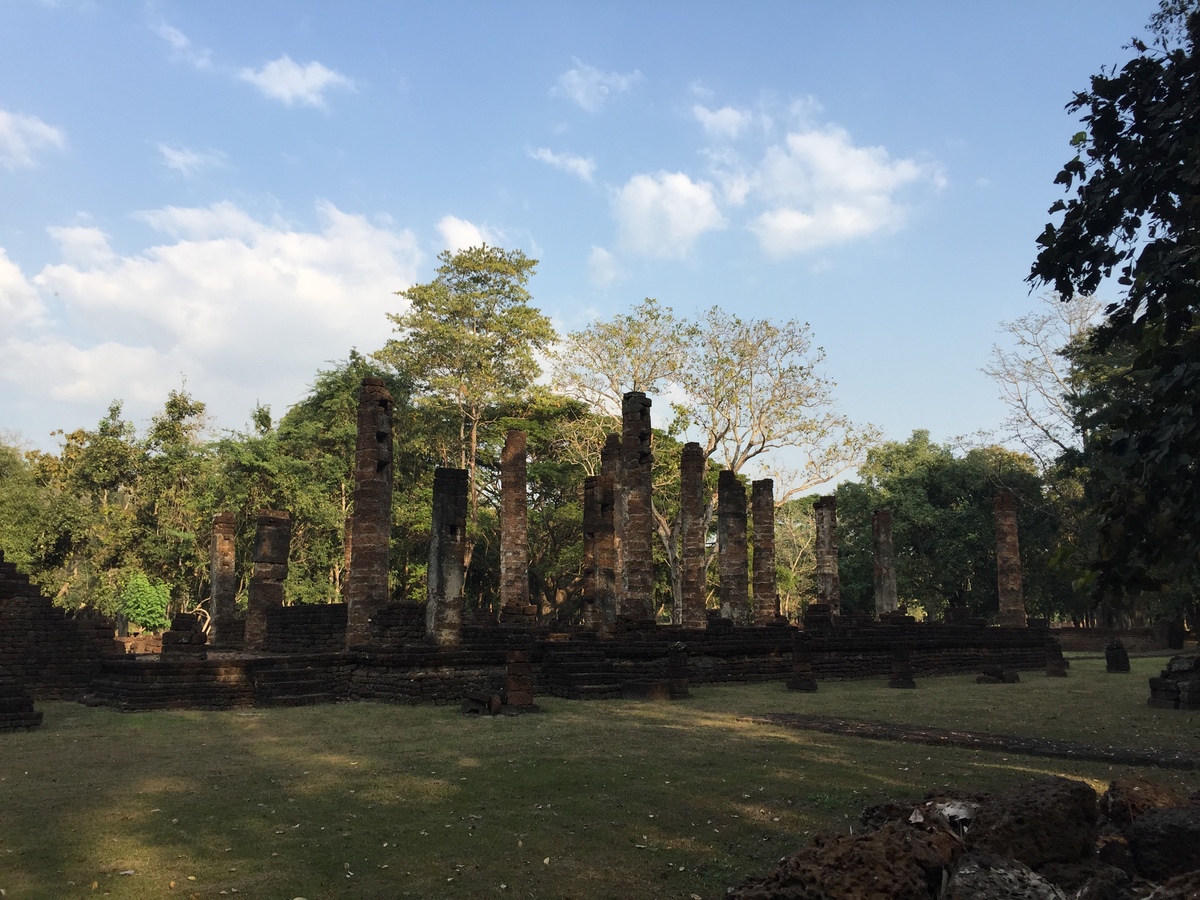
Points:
[[371, 524], [731, 548], [610, 466], [514, 522], [447, 556], [518, 682], [829, 588], [1008, 562], [272, 542], [637, 533], [599, 551], [222, 604], [885, 564], [802, 678], [762, 516], [691, 526]]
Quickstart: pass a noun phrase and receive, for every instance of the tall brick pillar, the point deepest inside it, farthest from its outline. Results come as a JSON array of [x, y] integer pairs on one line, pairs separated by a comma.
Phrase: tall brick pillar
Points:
[[829, 587], [691, 526], [222, 604], [514, 522], [371, 525], [762, 516], [1008, 562], [272, 542], [885, 564], [731, 548], [599, 550], [637, 534], [610, 466], [447, 557]]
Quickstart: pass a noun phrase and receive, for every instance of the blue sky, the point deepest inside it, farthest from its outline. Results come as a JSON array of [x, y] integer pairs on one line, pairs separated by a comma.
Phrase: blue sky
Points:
[[227, 194]]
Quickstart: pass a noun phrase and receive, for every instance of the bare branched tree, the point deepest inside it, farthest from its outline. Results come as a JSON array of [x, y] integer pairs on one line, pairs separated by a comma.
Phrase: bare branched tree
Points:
[[1032, 375]]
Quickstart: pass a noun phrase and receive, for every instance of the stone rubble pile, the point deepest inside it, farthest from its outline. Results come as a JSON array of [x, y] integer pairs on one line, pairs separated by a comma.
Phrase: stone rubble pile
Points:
[[1045, 838], [1178, 686]]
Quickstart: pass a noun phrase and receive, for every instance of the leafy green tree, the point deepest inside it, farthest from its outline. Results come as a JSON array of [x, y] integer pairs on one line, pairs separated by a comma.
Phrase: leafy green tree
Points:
[[305, 464], [145, 604], [1135, 213], [944, 528], [468, 343]]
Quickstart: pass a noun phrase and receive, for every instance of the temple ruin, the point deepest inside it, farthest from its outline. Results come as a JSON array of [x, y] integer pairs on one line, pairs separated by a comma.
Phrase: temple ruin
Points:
[[375, 647]]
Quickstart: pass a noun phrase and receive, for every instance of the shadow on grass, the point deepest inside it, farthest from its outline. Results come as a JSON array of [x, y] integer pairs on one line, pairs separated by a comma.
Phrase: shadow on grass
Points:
[[606, 799]]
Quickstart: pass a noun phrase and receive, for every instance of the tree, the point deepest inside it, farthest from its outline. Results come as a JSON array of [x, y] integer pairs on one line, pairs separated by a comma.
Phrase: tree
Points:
[[1034, 375], [750, 392], [795, 554], [943, 527], [469, 343], [1136, 213], [145, 604]]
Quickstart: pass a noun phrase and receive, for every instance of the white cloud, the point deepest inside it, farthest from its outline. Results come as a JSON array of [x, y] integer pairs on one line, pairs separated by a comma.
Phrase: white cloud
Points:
[[662, 215], [83, 246], [190, 162], [292, 83], [820, 189], [589, 87], [582, 167], [182, 48], [19, 300], [725, 122], [602, 267], [246, 310], [22, 137], [459, 234]]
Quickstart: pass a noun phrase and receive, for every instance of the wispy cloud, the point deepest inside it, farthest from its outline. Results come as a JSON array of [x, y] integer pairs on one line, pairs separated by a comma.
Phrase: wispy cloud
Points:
[[189, 162], [290, 82], [726, 122], [590, 87], [182, 49], [581, 167], [22, 137], [602, 267]]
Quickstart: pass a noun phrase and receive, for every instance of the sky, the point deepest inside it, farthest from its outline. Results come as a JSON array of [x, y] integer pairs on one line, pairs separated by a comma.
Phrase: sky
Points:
[[225, 196]]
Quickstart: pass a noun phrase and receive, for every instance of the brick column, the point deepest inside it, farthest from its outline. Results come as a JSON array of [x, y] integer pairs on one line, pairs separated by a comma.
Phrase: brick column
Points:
[[599, 551], [610, 466], [691, 526], [371, 524], [272, 542], [1008, 562], [829, 589], [222, 604], [447, 555], [885, 565], [637, 534], [762, 516], [514, 522], [731, 548]]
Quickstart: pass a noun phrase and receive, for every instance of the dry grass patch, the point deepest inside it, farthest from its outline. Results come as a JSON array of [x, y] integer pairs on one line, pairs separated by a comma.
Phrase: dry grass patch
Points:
[[611, 799]]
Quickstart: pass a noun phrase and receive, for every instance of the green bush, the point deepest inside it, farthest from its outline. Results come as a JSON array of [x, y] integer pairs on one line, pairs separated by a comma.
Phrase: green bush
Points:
[[145, 604]]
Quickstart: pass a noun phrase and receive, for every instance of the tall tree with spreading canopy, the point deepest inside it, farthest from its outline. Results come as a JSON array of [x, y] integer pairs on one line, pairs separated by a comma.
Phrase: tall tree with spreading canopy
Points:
[[749, 391], [1135, 214], [468, 343]]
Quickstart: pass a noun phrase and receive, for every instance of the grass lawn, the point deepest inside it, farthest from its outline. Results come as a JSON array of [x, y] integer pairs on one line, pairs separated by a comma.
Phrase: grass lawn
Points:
[[607, 799]]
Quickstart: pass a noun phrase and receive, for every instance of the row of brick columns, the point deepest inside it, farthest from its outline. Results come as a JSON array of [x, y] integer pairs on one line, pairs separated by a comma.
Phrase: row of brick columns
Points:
[[1008, 560], [619, 534]]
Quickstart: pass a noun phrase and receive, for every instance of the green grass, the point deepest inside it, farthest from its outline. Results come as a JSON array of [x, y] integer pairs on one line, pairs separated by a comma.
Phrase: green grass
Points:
[[611, 799]]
